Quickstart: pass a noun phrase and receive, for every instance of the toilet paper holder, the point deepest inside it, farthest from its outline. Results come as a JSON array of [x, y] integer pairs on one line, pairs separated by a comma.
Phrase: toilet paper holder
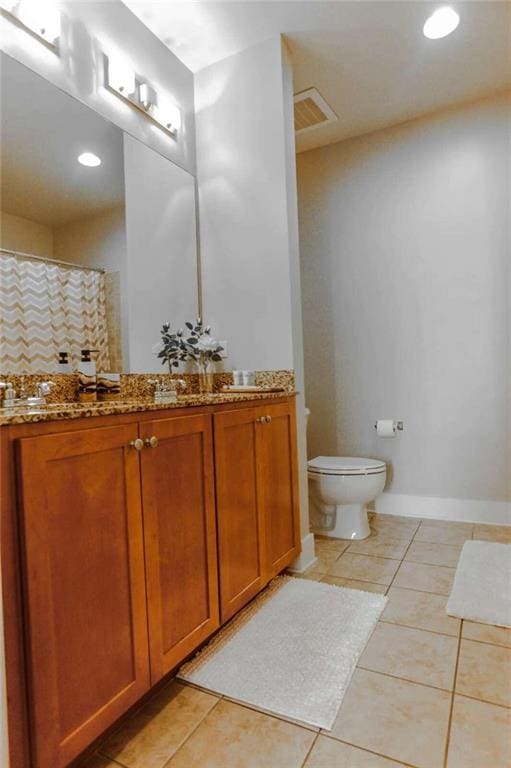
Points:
[[399, 425]]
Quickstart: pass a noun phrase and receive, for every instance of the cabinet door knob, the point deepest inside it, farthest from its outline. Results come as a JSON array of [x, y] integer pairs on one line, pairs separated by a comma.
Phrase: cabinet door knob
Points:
[[260, 420], [137, 444], [151, 442], [268, 419]]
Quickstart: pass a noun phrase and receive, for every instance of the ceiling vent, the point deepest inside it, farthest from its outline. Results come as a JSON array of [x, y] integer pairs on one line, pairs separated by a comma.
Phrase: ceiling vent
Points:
[[311, 110]]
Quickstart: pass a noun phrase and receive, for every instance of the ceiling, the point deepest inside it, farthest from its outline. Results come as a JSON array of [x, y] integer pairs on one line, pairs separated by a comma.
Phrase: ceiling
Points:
[[43, 132], [369, 58]]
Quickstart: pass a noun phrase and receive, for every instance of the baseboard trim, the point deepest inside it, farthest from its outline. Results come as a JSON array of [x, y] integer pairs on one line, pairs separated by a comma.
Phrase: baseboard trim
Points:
[[307, 556], [457, 510]]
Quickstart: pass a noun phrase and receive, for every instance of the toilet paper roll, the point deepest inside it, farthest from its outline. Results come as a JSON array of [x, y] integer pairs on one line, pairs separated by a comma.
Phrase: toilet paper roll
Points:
[[385, 428]]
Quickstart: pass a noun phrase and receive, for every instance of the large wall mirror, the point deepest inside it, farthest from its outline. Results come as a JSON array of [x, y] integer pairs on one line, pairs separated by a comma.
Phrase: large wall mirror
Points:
[[95, 255]]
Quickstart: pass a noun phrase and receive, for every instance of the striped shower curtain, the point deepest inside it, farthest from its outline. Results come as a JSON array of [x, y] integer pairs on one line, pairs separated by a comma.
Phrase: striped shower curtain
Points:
[[45, 309]]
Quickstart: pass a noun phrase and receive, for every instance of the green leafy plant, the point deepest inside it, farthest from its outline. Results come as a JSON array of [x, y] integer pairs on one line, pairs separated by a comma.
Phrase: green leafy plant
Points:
[[195, 344]]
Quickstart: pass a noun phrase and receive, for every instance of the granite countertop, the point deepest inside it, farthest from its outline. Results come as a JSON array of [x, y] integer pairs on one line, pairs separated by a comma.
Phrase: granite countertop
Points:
[[76, 410]]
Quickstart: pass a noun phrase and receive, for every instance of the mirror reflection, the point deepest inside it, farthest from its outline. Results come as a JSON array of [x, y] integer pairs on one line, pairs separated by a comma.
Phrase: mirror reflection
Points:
[[97, 235]]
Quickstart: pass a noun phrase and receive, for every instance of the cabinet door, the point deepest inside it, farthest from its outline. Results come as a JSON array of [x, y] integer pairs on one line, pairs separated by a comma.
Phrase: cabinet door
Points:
[[84, 582], [239, 521], [278, 485], [180, 538]]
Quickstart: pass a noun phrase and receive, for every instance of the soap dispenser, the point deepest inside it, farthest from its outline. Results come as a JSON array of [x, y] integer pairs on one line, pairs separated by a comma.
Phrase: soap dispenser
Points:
[[9, 396], [64, 365], [87, 381]]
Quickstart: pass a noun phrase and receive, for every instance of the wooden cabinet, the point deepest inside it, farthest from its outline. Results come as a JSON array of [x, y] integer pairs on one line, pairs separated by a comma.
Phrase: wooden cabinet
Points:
[[180, 537], [84, 586], [126, 542], [240, 522], [257, 499], [278, 486]]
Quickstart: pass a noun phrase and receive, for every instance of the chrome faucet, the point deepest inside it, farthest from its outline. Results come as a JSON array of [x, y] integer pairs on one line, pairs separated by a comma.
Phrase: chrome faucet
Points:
[[10, 399], [167, 393], [43, 388]]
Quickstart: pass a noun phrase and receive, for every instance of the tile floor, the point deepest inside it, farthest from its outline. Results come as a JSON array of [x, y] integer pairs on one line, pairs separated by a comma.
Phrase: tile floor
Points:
[[430, 691]]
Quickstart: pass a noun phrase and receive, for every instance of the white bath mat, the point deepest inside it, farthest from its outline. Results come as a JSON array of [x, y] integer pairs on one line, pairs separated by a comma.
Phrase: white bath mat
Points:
[[482, 584], [292, 652]]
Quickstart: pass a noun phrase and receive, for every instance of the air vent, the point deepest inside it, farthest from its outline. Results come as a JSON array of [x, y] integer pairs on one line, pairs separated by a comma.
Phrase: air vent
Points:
[[311, 110]]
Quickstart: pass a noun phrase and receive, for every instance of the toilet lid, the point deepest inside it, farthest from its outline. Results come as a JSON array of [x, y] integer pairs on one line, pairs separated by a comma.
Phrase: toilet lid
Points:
[[346, 465]]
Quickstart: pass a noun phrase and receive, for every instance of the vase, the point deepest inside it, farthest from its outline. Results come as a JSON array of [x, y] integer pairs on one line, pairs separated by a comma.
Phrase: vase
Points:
[[205, 378]]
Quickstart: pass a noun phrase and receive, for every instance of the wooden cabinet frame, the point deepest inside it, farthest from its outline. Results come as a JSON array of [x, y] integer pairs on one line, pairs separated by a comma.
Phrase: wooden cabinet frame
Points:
[[35, 455], [15, 623], [167, 431]]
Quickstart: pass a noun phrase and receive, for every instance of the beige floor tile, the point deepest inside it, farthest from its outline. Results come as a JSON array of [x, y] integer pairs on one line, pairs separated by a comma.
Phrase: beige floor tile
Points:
[[329, 753], [97, 761], [309, 574], [325, 559], [421, 610], [398, 719], [394, 528], [380, 546], [484, 672], [232, 736], [425, 578], [387, 518], [419, 656], [154, 733], [434, 554], [458, 526], [447, 533], [501, 533], [411, 523], [479, 735], [486, 633], [379, 570], [366, 586], [330, 544]]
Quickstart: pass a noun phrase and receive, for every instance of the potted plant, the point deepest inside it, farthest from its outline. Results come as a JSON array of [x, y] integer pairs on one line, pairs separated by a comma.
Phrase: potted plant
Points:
[[195, 344]]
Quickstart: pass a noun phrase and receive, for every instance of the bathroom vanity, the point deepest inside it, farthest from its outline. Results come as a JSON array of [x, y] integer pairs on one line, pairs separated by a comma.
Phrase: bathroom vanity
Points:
[[128, 537]]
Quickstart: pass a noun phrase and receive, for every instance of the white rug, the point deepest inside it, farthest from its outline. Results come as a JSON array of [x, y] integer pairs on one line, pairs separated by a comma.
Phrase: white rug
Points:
[[292, 651], [482, 584]]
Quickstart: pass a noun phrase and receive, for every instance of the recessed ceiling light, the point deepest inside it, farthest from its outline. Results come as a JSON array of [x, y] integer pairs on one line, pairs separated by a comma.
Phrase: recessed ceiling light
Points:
[[441, 23], [89, 159]]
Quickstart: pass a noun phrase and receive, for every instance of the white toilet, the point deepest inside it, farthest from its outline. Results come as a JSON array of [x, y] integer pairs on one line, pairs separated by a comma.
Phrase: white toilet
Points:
[[339, 488]]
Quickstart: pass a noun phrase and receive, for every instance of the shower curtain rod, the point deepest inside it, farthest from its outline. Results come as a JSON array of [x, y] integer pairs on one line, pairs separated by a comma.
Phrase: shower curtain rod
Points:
[[33, 257]]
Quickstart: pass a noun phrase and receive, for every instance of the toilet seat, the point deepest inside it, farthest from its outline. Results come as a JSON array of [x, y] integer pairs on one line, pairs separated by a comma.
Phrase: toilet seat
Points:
[[345, 466]]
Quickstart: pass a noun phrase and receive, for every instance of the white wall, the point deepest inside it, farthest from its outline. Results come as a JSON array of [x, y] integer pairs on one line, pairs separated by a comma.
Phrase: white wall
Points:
[[296, 302], [88, 30], [24, 235], [243, 206], [248, 215], [94, 241], [405, 243], [160, 282]]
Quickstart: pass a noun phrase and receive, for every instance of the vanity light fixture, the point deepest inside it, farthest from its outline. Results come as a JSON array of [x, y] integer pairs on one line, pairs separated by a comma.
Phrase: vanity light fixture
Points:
[[441, 23], [147, 97], [120, 77], [39, 17], [89, 159], [122, 80], [168, 116]]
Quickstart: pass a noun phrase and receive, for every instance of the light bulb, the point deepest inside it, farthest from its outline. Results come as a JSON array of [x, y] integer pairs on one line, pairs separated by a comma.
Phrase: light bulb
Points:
[[148, 97], [120, 76], [89, 159], [168, 116], [41, 17], [441, 23]]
